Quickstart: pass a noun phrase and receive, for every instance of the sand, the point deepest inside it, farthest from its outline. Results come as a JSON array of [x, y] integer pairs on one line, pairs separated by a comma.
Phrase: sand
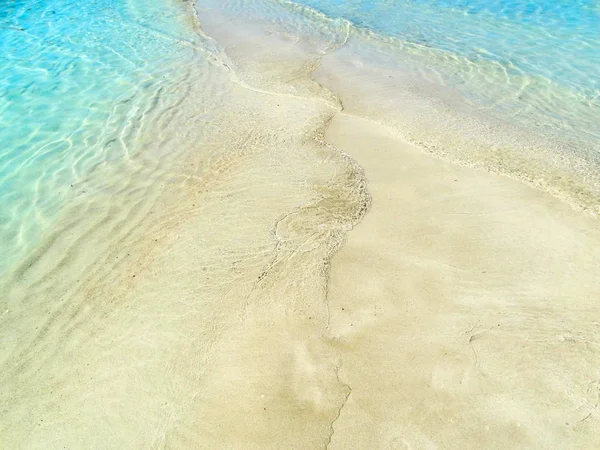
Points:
[[302, 277], [464, 307]]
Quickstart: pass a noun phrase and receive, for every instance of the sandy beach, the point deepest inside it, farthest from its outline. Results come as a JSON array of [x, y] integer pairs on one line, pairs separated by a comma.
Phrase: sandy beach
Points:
[[475, 291], [303, 277]]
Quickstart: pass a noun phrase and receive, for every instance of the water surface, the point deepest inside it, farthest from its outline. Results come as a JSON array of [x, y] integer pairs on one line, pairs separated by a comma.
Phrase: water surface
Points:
[[533, 60], [81, 84]]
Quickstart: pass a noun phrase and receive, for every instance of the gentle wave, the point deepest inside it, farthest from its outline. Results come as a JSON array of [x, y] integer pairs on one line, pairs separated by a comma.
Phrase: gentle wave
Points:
[[534, 60], [473, 91], [81, 85]]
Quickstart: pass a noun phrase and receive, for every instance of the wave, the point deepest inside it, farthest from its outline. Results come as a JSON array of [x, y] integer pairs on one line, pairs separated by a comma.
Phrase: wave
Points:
[[476, 111]]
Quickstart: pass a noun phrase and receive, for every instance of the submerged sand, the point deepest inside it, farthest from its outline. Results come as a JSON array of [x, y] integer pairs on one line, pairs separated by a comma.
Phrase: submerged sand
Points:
[[305, 278]]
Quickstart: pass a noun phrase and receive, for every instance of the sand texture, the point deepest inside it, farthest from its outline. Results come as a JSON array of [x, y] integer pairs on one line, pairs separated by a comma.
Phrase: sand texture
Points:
[[287, 272], [464, 307]]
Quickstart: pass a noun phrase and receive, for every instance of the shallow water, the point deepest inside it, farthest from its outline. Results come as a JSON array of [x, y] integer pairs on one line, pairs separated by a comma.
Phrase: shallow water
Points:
[[81, 83], [172, 205], [533, 60], [83, 86], [506, 86]]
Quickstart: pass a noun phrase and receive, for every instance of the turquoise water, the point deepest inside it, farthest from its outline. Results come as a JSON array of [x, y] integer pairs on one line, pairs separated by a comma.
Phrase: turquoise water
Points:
[[559, 40], [83, 84], [537, 60], [532, 60], [79, 82]]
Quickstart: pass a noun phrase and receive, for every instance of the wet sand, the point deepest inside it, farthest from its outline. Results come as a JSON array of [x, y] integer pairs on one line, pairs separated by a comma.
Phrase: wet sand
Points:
[[304, 278]]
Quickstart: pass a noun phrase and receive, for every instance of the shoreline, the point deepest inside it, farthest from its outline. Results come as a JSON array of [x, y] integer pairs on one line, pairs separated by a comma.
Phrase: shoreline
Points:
[[252, 303], [437, 119]]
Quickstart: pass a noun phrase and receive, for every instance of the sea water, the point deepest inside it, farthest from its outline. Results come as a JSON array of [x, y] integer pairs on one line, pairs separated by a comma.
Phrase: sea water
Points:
[[138, 305], [536, 60], [81, 84], [508, 86]]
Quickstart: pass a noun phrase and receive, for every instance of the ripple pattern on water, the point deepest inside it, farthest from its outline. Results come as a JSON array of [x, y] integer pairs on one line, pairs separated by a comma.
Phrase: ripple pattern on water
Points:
[[80, 85], [533, 60], [509, 87]]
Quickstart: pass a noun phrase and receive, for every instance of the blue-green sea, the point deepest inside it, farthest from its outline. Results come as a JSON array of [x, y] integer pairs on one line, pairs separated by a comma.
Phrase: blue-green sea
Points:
[[81, 81], [533, 59], [80, 84]]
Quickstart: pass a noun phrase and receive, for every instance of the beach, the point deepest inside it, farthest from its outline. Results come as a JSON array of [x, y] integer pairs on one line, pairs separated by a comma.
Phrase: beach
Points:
[[475, 292], [295, 253]]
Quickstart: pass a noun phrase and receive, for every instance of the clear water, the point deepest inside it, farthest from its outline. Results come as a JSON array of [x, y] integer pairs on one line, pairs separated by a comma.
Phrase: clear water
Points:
[[536, 61], [78, 81]]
